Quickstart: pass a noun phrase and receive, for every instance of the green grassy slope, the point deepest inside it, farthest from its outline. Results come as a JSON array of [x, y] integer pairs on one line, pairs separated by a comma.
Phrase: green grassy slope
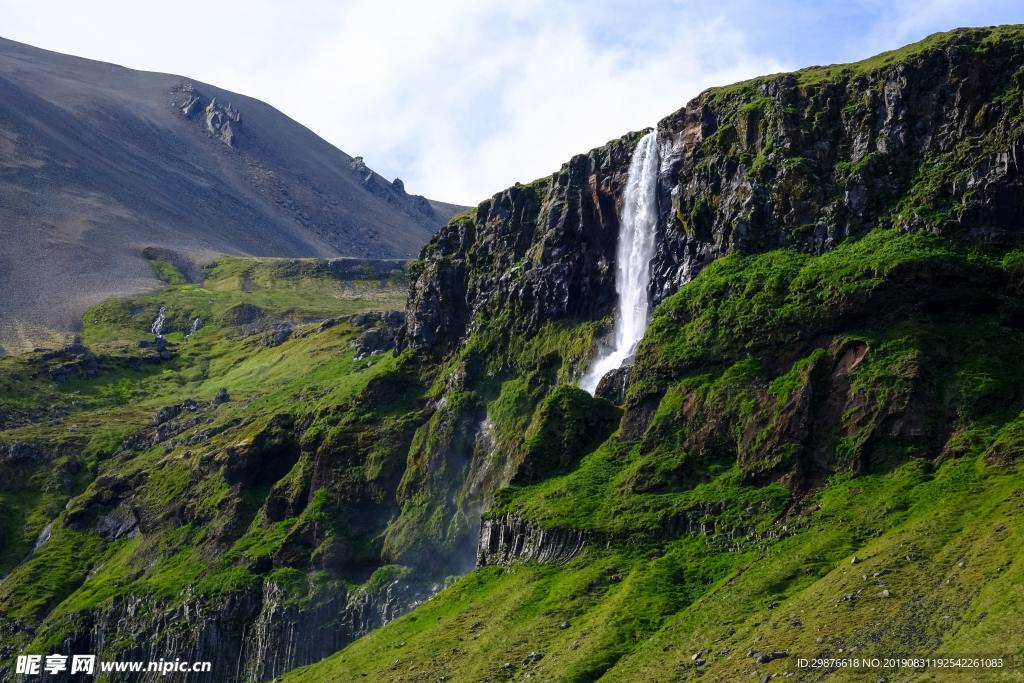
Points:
[[642, 613], [212, 475], [725, 513]]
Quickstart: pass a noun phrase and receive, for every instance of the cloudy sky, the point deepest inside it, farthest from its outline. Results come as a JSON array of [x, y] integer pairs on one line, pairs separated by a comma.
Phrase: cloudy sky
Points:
[[461, 98]]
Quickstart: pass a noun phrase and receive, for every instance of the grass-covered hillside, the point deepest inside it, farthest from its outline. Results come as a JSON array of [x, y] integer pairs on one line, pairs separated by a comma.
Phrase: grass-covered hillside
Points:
[[819, 456], [167, 471]]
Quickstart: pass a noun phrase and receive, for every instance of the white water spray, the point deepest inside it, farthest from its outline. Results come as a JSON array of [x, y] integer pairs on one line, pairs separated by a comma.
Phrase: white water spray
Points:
[[633, 260]]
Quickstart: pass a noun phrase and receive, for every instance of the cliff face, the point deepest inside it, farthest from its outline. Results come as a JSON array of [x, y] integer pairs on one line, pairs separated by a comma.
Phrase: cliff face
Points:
[[508, 539], [923, 140], [534, 253], [929, 137], [254, 635]]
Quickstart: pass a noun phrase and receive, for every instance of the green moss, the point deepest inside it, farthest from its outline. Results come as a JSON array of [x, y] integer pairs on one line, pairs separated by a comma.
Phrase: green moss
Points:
[[568, 424], [204, 537], [743, 302], [640, 616], [698, 539]]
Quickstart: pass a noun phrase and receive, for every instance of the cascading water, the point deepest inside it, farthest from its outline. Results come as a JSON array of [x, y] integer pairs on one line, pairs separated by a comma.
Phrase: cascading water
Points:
[[633, 260], [159, 325], [194, 327]]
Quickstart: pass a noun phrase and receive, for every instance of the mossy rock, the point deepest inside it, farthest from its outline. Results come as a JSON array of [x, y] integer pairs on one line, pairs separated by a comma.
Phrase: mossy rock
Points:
[[567, 425], [243, 314]]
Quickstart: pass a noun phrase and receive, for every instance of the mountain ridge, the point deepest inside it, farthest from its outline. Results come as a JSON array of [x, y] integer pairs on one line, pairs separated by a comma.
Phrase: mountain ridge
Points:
[[101, 161]]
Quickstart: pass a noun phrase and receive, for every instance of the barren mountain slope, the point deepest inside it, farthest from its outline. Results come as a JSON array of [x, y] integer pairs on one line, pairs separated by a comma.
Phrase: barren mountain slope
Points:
[[98, 162]]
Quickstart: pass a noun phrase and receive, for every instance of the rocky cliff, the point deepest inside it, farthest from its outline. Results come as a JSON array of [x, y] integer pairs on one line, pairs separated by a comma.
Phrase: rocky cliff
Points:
[[816, 450], [921, 140], [928, 137], [509, 539], [252, 635]]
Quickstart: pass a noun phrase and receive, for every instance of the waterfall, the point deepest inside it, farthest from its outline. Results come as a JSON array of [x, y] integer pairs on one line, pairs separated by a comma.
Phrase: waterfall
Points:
[[633, 261], [159, 325]]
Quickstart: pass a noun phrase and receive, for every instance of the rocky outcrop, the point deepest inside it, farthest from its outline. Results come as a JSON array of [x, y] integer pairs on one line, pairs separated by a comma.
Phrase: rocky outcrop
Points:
[[251, 635], [168, 422], [170, 412], [74, 360], [380, 332], [509, 538], [222, 121], [121, 522], [276, 335], [22, 453], [536, 252], [393, 192], [807, 159], [222, 396], [612, 386]]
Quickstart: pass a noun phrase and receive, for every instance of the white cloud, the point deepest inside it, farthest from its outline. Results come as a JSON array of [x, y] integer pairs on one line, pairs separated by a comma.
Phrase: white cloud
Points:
[[465, 98], [898, 24], [460, 98]]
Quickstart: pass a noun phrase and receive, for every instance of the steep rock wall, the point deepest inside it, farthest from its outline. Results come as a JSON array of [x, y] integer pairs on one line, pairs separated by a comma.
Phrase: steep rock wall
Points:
[[929, 137]]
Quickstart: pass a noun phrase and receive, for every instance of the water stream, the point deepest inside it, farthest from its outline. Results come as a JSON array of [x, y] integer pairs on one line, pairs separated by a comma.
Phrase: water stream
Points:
[[637, 232]]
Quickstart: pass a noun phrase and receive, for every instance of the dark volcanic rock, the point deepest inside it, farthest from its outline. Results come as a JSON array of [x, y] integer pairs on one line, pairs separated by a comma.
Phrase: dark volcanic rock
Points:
[[251, 635], [382, 332], [374, 318], [612, 386], [168, 422], [22, 452], [120, 523], [277, 335], [544, 250], [222, 121], [376, 340], [780, 163], [170, 412], [509, 539], [74, 360]]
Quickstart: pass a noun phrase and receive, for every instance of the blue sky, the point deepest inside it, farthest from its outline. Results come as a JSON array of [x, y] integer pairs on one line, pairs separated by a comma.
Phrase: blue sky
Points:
[[462, 98]]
